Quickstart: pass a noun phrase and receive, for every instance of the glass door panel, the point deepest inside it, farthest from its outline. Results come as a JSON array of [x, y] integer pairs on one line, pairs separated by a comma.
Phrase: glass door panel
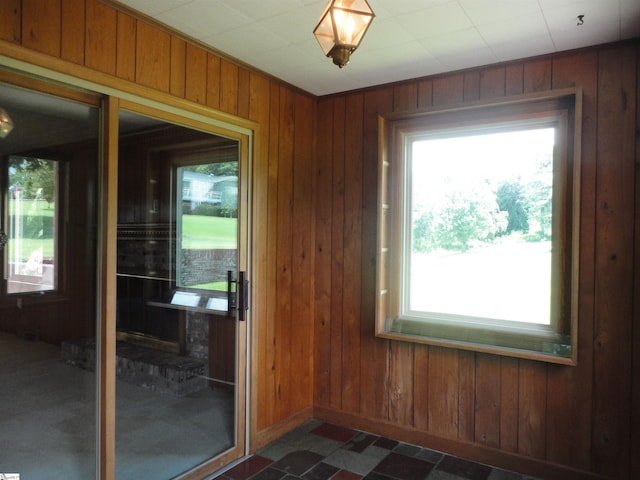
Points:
[[177, 389], [48, 178]]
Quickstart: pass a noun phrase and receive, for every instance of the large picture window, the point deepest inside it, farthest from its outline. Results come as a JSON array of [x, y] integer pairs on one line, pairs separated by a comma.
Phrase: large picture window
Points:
[[478, 220]]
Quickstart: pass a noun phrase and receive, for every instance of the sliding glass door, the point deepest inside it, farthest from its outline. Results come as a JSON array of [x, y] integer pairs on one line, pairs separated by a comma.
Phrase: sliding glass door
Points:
[[49, 148]]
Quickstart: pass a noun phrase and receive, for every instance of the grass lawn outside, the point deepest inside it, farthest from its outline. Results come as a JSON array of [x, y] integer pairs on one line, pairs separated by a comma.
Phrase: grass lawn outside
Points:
[[507, 281], [201, 232]]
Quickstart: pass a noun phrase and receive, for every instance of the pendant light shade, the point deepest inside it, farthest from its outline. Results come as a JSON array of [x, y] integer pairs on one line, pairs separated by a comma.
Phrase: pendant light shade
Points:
[[341, 28]]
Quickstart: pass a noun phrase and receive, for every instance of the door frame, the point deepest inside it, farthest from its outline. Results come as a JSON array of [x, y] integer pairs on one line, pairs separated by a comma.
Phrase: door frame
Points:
[[119, 94]]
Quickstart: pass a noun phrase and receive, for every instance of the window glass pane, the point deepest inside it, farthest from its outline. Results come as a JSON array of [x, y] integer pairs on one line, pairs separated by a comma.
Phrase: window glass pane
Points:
[[479, 232], [32, 214]]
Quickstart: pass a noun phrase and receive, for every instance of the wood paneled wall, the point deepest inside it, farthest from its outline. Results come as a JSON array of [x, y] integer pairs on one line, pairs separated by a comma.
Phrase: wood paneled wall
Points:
[[93, 40], [549, 420], [314, 223]]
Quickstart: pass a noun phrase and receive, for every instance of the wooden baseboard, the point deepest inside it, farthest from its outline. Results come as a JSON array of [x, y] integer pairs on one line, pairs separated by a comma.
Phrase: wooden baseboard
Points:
[[275, 431], [458, 448]]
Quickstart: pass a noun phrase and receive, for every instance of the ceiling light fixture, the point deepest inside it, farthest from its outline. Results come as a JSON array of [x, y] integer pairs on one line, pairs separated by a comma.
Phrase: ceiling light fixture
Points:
[[6, 124], [341, 28]]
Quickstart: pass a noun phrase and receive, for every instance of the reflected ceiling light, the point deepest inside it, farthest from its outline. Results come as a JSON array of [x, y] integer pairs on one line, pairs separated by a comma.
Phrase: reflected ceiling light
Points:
[[341, 28], [6, 124]]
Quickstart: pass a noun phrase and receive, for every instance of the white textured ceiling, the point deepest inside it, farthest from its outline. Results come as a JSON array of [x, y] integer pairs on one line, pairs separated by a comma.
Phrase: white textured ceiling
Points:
[[407, 39]]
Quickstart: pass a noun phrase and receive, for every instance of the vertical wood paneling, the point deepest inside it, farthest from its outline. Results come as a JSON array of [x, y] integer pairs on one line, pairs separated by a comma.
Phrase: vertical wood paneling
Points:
[[100, 37], [196, 75], [178, 62], [443, 391], [514, 81], [301, 301], [532, 396], [213, 81], [537, 76], [425, 94], [228, 87], [153, 57], [243, 93], [10, 20], [466, 395], [126, 56], [352, 254], [448, 90], [337, 257], [569, 395], [614, 258], [493, 82], [41, 25], [471, 87], [272, 387], [487, 400], [259, 112], [401, 374], [284, 313], [421, 387], [323, 252], [635, 367], [72, 41], [374, 374], [509, 401]]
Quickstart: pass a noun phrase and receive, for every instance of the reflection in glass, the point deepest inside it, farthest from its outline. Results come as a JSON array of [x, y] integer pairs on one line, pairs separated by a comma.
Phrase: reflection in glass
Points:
[[47, 287], [177, 241]]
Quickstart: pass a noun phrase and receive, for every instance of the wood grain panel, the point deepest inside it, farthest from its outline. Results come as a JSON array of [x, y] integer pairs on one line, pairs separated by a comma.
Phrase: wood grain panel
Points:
[[537, 76], [259, 112], [425, 94], [352, 253], [272, 388], [421, 387], [635, 368], [466, 395], [443, 391], [178, 66], [10, 20], [285, 374], [100, 37], [125, 55], [243, 93], [153, 57], [302, 240], [72, 41], [493, 82], [405, 97], [614, 261], [196, 74], [41, 26], [337, 249], [471, 86], [447, 90], [322, 264], [532, 396], [213, 81], [374, 369], [228, 87], [401, 378], [487, 400], [570, 390], [514, 79]]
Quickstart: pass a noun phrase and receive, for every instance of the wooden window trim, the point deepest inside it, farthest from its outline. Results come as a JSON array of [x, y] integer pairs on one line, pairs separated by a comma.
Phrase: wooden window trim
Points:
[[556, 343]]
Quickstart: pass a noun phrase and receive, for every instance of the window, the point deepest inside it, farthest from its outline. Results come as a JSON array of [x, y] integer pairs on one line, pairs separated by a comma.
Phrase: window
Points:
[[478, 227], [33, 216]]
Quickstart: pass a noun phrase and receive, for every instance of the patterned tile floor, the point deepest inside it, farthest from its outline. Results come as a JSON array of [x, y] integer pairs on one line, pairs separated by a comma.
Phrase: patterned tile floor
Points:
[[322, 451]]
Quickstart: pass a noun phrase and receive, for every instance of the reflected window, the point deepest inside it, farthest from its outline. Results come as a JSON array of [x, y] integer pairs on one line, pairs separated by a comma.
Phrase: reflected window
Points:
[[32, 218]]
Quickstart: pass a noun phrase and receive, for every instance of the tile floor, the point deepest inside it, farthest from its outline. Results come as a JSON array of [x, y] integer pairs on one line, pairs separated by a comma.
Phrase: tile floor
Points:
[[322, 451]]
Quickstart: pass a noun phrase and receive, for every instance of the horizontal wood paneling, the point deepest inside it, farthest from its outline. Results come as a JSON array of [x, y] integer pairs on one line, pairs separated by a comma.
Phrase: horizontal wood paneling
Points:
[[577, 417]]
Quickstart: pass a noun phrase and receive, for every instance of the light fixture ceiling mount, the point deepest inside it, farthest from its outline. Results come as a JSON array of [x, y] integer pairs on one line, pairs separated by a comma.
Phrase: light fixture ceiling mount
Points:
[[341, 28], [6, 124]]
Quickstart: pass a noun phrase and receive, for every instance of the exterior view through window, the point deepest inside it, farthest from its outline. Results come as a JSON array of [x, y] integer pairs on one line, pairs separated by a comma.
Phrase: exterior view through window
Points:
[[479, 236], [478, 221], [32, 218]]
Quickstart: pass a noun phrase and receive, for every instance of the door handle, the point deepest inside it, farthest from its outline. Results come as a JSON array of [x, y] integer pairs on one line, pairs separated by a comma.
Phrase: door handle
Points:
[[238, 297]]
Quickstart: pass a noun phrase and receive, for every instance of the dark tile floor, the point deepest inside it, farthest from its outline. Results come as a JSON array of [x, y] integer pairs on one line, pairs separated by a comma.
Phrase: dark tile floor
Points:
[[322, 451]]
